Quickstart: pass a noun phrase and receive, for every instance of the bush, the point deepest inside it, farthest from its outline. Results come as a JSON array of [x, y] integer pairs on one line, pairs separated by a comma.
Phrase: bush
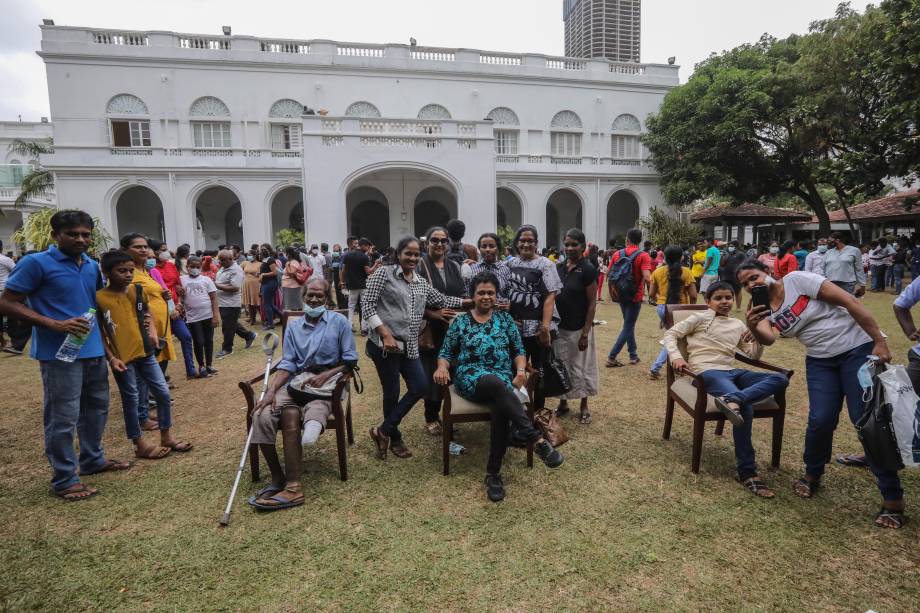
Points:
[[287, 237], [664, 229], [36, 233]]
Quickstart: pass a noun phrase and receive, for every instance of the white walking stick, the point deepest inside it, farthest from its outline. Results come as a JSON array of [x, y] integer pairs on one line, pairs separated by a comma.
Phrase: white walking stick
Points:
[[269, 344]]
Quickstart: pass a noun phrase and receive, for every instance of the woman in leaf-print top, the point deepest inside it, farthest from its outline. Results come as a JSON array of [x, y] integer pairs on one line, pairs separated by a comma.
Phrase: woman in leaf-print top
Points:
[[486, 349]]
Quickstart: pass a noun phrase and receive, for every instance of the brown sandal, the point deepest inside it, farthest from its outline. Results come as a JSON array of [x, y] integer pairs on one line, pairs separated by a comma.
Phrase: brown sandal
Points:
[[75, 492], [154, 452], [434, 428], [110, 466], [757, 487]]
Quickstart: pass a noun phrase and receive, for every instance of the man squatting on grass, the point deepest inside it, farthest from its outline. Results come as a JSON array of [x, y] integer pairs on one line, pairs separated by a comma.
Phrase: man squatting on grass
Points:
[[712, 338], [319, 343]]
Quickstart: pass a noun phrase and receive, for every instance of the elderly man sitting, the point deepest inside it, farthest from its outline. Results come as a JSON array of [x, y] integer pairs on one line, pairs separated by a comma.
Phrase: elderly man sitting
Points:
[[317, 348]]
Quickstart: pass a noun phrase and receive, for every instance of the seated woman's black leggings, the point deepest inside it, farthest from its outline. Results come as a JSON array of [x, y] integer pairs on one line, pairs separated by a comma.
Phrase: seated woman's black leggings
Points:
[[507, 410]]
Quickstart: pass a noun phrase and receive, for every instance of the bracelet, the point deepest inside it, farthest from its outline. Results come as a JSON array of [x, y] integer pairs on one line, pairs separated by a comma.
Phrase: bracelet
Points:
[[522, 371]]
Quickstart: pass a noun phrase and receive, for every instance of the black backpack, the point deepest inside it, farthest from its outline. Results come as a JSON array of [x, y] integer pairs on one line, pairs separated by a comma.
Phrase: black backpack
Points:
[[622, 278], [456, 253]]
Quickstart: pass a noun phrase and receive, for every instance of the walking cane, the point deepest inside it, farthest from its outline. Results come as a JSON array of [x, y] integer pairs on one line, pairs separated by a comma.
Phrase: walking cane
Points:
[[269, 344]]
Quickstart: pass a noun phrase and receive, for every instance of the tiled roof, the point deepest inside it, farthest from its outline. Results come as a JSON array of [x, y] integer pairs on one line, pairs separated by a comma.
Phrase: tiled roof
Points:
[[748, 211], [883, 208]]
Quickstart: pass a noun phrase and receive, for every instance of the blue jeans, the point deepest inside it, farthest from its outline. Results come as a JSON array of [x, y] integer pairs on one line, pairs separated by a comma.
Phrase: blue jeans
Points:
[[627, 336], [744, 387], [76, 395], [830, 380], [129, 384], [878, 277], [897, 273], [389, 369], [663, 354], [267, 292], [914, 269], [181, 332]]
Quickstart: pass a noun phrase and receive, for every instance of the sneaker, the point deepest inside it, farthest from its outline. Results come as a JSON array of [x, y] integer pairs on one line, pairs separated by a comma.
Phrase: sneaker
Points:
[[732, 415], [251, 340], [495, 489], [550, 456], [211, 371], [202, 373], [222, 354], [654, 375]]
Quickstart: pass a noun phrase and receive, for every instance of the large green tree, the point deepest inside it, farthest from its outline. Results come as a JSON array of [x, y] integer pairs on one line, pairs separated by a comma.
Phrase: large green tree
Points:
[[805, 116]]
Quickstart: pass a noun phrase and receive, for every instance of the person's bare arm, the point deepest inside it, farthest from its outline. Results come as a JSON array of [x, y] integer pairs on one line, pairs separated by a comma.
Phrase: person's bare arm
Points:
[[215, 314], [589, 316], [653, 291], [759, 325], [832, 294], [280, 380], [906, 321], [13, 305], [543, 335]]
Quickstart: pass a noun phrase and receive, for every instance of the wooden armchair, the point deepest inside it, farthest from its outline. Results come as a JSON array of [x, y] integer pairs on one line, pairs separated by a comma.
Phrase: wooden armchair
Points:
[[458, 410], [689, 392]]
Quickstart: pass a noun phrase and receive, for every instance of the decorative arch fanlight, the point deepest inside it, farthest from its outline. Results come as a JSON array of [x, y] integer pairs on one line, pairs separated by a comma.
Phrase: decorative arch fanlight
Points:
[[566, 120], [126, 104], [286, 108], [433, 111], [503, 116], [209, 106], [626, 123], [362, 109]]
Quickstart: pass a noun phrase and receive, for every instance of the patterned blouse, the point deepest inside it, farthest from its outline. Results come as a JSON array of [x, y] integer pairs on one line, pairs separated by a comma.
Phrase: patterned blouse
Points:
[[479, 349]]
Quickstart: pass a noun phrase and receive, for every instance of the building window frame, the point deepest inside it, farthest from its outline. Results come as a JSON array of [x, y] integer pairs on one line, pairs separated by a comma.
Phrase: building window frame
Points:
[[283, 136], [211, 134], [506, 142], [133, 133], [565, 144]]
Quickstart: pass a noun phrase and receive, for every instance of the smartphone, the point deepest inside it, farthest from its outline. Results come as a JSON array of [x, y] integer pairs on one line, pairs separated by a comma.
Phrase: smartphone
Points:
[[760, 296]]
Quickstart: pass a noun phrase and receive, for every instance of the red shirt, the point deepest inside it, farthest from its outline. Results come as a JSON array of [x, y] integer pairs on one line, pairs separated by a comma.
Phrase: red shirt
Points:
[[784, 265], [170, 275], [642, 262]]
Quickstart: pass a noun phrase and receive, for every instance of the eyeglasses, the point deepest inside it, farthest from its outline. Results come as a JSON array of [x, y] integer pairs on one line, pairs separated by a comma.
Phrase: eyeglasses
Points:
[[437, 241], [527, 241]]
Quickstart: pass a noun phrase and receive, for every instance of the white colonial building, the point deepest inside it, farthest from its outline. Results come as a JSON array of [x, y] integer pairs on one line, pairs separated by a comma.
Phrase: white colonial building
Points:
[[13, 168], [203, 139]]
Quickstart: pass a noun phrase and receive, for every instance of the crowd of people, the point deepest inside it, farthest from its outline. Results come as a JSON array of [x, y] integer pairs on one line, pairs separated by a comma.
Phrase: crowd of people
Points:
[[440, 315]]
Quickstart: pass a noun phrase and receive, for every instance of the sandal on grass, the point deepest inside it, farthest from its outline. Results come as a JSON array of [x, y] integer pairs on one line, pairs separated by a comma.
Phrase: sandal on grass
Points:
[[180, 446], [857, 460], [613, 364], [434, 428], [110, 466], [897, 519], [584, 418], [269, 490], [154, 452], [803, 488], [276, 502], [78, 491], [756, 486]]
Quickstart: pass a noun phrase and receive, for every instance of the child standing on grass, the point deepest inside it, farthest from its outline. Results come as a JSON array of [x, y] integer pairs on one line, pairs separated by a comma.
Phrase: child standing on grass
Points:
[[131, 346], [201, 314]]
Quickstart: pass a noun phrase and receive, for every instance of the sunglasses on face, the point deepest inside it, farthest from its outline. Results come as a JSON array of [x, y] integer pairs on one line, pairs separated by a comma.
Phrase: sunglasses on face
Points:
[[437, 241]]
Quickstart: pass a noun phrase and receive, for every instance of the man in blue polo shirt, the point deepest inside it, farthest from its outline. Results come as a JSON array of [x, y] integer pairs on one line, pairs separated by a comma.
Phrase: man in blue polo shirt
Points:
[[52, 290]]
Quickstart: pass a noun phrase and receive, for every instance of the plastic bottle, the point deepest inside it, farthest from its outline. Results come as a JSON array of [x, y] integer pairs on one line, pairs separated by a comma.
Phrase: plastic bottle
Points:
[[71, 346]]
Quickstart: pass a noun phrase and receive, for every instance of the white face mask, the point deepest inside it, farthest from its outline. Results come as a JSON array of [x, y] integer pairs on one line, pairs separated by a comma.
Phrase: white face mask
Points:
[[731, 249], [164, 256], [822, 248], [769, 280], [194, 272], [774, 250]]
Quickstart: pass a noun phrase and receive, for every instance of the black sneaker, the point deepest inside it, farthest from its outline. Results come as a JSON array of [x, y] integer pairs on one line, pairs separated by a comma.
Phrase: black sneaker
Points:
[[550, 456], [732, 415], [495, 489], [250, 340]]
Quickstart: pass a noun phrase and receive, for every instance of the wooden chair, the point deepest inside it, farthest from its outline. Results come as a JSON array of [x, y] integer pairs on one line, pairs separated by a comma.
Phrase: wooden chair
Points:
[[689, 392], [339, 420], [458, 410]]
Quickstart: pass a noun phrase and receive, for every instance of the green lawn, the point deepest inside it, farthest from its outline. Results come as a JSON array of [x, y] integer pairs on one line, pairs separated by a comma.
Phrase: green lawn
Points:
[[622, 525]]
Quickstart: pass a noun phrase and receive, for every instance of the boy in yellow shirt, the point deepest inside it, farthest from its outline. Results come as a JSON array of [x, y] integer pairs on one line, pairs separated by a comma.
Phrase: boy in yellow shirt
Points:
[[130, 346]]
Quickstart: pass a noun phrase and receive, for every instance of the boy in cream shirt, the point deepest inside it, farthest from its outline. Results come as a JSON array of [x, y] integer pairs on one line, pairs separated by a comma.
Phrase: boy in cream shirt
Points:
[[712, 339]]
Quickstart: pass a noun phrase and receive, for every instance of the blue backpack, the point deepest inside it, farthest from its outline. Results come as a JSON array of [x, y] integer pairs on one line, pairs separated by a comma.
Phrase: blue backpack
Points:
[[621, 276]]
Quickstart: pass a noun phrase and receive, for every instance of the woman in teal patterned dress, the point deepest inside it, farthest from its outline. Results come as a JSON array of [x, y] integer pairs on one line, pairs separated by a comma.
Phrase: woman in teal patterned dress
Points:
[[485, 347]]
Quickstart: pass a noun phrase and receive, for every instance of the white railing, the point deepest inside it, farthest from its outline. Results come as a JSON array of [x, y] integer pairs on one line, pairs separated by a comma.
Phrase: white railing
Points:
[[284, 46], [331, 125], [620, 68], [212, 153], [384, 126], [121, 38], [434, 55], [201, 42], [499, 59], [400, 141], [506, 159], [566, 161], [466, 143], [130, 151], [333, 141], [286, 154], [359, 50], [565, 63]]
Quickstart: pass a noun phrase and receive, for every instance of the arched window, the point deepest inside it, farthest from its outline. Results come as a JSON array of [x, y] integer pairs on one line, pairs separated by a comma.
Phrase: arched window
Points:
[[17, 172], [506, 136], [286, 108], [565, 134], [433, 111], [362, 109], [129, 125], [624, 140], [210, 123]]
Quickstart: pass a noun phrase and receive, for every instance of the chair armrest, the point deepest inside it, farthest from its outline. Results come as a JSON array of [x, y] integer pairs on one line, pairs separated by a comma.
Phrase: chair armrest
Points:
[[342, 385], [764, 365]]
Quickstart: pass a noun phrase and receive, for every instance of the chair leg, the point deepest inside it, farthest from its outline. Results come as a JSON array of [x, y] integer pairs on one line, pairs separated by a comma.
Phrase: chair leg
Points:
[[446, 428], [668, 418], [341, 448], [720, 427], [351, 433], [778, 423], [698, 428]]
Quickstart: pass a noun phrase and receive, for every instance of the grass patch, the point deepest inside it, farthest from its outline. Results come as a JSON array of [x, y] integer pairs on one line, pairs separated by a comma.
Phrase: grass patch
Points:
[[622, 525]]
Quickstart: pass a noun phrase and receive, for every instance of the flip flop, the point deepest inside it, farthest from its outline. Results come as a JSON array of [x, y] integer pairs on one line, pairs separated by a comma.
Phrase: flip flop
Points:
[[78, 488], [854, 459], [282, 503], [613, 364], [180, 447], [110, 466]]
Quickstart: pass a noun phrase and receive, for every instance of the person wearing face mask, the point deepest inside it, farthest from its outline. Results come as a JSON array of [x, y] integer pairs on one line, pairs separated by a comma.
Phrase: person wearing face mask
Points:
[[814, 261], [317, 263], [880, 258], [229, 282], [786, 261], [839, 336], [731, 259], [319, 347], [250, 299], [201, 313], [843, 264], [336, 268], [269, 279], [768, 259]]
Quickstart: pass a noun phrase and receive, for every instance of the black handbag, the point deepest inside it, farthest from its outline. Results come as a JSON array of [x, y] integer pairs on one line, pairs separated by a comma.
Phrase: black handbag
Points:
[[555, 380], [875, 430]]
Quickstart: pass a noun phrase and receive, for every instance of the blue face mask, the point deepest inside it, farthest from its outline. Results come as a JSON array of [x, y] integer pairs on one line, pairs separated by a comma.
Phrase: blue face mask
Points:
[[150, 263], [864, 375], [822, 248], [314, 311]]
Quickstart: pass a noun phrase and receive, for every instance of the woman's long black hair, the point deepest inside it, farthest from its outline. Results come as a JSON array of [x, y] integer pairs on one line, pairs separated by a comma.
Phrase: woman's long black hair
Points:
[[673, 255]]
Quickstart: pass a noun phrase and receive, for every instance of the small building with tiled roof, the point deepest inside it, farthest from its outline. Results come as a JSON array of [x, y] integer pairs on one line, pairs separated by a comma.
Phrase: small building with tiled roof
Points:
[[747, 222], [893, 215]]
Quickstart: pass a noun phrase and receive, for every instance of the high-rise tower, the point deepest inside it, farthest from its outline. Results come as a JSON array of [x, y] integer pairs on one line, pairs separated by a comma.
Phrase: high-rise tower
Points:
[[602, 29]]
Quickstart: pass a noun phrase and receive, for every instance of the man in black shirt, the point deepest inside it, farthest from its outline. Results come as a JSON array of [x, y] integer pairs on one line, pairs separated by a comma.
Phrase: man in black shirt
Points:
[[356, 266], [728, 266]]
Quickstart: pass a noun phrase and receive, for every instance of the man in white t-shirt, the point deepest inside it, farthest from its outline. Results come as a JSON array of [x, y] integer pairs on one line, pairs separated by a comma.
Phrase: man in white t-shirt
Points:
[[317, 262], [229, 283], [6, 266]]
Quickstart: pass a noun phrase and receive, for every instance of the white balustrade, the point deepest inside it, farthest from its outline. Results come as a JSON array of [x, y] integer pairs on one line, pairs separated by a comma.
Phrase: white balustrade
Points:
[[121, 38], [130, 151], [359, 50], [284, 46], [201, 42], [621, 68], [498, 59], [565, 63], [432, 54]]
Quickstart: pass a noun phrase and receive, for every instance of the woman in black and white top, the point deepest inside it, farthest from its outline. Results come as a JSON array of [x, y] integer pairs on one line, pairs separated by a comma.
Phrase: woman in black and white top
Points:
[[393, 306]]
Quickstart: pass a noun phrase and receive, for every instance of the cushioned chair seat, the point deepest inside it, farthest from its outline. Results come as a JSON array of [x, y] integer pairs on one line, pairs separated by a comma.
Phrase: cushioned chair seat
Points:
[[683, 387], [461, 406]]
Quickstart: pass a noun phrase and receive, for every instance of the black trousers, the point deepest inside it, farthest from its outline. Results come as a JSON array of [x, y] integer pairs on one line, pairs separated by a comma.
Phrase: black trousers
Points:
[[536, 353], [230, 325], [19, 332], [203, 339], [507, 412]]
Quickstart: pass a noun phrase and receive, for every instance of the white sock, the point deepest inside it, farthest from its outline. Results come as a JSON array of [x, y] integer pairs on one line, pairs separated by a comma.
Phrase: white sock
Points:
[[311, 432]]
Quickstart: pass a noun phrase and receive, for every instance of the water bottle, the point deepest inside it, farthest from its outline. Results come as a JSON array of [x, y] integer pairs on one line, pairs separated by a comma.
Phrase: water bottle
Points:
[[71, 346], [455, 448]]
